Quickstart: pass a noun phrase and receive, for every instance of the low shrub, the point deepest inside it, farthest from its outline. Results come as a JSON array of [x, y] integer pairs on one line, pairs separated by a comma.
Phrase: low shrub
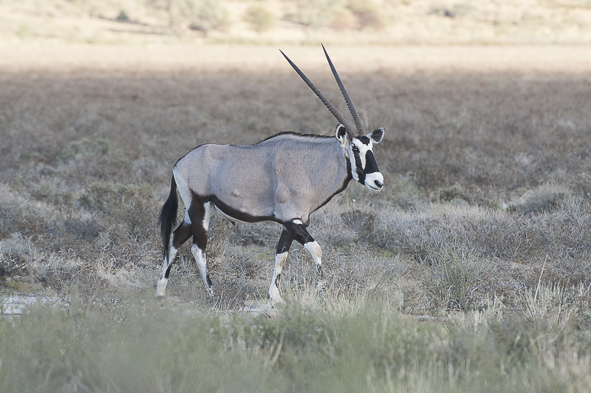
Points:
[[259, 18]]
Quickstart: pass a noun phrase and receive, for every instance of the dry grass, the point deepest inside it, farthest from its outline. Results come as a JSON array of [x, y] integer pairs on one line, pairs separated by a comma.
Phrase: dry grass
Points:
[[486, 208], [484, 167]]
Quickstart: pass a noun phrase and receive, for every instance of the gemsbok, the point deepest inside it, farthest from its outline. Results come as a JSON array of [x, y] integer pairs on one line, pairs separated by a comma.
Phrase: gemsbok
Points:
[[283, 178]]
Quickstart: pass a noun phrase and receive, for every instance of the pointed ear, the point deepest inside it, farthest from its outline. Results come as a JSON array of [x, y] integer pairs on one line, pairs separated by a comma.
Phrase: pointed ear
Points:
[[377, 135], [341, 134]]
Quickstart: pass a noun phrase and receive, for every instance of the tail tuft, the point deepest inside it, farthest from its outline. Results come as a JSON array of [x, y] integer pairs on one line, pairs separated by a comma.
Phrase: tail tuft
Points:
[[168, 217]]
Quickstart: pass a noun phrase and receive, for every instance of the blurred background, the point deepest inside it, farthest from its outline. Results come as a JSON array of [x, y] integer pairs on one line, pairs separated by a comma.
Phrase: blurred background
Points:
[[400, 22]]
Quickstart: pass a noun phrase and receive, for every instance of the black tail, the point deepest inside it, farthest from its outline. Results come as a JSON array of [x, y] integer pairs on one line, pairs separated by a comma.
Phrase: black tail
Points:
[[168, 217]]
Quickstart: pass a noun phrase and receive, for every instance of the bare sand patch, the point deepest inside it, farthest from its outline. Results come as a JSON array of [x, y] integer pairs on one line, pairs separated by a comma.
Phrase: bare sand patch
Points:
[[403, 59]]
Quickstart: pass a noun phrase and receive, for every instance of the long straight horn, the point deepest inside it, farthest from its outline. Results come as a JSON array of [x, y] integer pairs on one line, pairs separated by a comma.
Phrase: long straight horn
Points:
[[358, 124], [324, 100]]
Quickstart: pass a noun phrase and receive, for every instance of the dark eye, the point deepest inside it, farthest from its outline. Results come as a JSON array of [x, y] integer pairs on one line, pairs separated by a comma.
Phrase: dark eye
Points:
[[355, 149]]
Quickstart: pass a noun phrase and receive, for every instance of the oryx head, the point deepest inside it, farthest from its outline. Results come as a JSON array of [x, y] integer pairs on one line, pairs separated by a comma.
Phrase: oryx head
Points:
[[357, 145]]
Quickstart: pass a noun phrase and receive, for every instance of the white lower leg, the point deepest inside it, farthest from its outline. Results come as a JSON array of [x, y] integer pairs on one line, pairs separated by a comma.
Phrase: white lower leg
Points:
[[162, 281], [273, 290], [316, 253], [161, 287], [202, 264]]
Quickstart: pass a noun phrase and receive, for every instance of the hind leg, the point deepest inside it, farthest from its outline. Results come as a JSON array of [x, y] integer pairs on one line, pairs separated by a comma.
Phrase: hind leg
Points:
[[180, 235], [199, 214]]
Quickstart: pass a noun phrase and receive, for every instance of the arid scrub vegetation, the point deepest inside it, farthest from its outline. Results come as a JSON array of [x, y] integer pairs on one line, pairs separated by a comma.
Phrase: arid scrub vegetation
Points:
[[468, 272], [297, 21]]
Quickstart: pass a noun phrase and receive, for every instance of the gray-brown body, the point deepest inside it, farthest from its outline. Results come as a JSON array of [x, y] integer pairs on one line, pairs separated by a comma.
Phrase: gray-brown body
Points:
[[283, 178]]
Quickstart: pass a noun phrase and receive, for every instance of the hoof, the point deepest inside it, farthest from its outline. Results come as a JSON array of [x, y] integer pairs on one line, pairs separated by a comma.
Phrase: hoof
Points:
[[161, 287], [274, 295]]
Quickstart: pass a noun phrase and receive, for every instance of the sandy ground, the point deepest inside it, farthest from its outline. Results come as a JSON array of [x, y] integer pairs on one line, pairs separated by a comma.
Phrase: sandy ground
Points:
[[444, 59]]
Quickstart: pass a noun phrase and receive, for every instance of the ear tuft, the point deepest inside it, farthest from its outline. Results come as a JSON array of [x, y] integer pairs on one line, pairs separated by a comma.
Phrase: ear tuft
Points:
[[377, 135], [341, 134]]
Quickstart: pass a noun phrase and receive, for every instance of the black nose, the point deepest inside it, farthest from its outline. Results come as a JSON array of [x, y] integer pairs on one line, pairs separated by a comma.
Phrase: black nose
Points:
[[379, 183]]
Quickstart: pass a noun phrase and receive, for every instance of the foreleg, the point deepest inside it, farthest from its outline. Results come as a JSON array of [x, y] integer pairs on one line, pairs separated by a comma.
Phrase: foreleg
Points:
[[299, 232], [281, 253]]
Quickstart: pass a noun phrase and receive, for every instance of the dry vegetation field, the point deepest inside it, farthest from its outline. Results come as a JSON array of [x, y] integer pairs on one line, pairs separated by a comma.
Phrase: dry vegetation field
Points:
[[469, 272]]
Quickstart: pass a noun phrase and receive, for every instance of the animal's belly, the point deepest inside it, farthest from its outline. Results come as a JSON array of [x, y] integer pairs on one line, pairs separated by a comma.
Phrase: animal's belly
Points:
[[246, 208]]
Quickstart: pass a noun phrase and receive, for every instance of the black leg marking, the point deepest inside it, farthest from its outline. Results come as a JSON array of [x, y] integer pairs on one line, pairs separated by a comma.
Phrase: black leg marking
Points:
[[182, 234], [298, 232], [197, 214], [284, 243], [168, 271]]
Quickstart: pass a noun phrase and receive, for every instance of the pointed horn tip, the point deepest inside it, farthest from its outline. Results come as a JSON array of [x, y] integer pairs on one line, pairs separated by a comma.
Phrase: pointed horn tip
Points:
[[358, 124]]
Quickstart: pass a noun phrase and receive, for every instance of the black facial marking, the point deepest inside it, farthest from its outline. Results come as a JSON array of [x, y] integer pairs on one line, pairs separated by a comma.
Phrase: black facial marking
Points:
[[365, 140], [359, 168], [371, 165]]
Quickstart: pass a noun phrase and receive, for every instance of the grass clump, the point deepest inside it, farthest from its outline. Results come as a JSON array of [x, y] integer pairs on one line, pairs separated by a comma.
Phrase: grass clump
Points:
[[85, 147], [368, 15], [544, 198], [458, 281], [198, 15], [142, 346]]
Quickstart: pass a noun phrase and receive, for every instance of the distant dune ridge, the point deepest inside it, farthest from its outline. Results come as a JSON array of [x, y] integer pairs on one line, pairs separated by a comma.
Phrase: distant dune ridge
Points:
[[399, 22]]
